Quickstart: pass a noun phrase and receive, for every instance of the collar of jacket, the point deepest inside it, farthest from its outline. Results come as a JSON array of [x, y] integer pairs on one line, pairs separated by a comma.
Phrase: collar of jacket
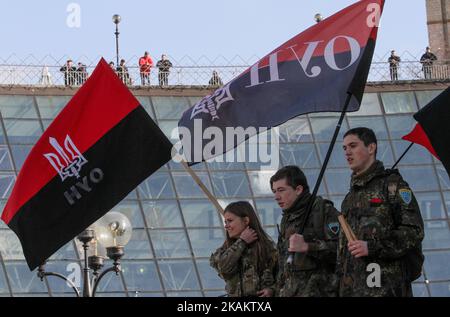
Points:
[[300, 203], [375, 170]]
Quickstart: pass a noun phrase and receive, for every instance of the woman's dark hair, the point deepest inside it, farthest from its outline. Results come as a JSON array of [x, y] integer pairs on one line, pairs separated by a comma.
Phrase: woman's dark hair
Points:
[[264, 243]]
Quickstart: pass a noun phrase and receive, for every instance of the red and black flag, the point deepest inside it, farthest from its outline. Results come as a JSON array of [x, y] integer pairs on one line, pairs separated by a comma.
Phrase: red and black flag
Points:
[[433, 130], [312, 72], [96, 151]]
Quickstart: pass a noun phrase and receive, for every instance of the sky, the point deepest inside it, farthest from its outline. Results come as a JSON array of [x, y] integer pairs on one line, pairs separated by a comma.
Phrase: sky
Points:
[[194, 28]]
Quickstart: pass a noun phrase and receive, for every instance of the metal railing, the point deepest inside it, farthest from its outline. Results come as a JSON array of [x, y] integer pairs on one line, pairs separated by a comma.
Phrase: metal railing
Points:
[[187, 72]]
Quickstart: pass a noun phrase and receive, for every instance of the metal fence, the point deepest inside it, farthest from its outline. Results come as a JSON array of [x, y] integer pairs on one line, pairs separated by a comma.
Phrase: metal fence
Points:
[[185, 71]]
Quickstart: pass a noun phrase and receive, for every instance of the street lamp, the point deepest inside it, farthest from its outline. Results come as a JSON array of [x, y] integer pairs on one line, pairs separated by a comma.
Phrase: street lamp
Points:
[[318, 17], [113, 232], [116, 19]]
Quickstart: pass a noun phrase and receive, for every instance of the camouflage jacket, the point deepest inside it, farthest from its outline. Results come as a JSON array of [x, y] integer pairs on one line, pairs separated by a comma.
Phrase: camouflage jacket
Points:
[[238, 266], [313, 273], [375, 198]]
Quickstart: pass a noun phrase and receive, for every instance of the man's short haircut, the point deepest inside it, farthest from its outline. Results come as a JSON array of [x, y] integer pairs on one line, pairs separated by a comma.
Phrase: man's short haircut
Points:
[[364, 134], [293, 175]]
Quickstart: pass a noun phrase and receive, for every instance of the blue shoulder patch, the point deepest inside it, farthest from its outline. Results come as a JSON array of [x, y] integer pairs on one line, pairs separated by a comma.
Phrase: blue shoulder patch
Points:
[[334, 227], [405, 195]]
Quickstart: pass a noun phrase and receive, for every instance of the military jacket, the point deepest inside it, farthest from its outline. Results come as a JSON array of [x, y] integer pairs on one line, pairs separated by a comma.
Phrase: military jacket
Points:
[[381, 210], [313, 273], [239, 265]]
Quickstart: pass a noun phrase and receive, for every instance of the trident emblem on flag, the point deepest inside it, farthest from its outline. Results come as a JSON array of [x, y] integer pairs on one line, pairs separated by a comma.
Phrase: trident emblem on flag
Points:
[[68, 160]]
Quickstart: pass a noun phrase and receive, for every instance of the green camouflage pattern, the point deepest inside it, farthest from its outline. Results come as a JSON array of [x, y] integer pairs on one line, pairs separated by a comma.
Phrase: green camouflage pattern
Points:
[[375, 198], [311, 274], [238, 267]]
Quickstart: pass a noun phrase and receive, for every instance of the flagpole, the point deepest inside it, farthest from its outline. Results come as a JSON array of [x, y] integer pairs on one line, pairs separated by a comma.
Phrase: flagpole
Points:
[[322, 171], [400, 158], [203, 187]]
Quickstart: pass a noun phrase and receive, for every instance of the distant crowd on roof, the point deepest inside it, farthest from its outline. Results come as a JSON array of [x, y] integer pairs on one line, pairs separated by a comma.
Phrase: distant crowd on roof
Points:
[[76, 76]]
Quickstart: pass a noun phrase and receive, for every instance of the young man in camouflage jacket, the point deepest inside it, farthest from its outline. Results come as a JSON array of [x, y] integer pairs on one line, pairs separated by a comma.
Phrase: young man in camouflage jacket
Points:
[[385, 217], [312, 272]]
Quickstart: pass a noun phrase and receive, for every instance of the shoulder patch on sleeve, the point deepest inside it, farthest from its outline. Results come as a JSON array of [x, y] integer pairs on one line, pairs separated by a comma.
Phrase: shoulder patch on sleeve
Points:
[[334, 227], [405, 195]]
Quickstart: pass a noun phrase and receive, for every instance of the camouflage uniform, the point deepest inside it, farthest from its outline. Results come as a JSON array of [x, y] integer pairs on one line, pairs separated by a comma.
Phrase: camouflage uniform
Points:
[[238, 266], [375, 198], [313, 273]]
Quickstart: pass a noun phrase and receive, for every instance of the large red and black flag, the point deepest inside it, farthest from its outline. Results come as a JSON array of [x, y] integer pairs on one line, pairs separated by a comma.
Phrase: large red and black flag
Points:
[[312, 72], [433, 129], [96, 151]]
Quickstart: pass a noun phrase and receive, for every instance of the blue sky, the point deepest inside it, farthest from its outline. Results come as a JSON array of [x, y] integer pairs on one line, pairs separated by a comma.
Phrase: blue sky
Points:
[[194, 28]]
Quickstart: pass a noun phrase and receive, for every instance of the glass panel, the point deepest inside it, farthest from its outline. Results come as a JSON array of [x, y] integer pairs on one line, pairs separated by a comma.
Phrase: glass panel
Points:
[[187, 187], [170, 129], [416, 155], [179, 275], [431, 205], [437, 235], [210, 278], [440, 289], [231, 160], [132, 210], [171, 107], [184, 294], [170, 243], [22, 132], [205, 241], [67, 252], [295, 130], [138, 247], [444, 180], [384, 153], [415, 176], [5, 159], [10, 246], [377, 124], [400, 125], [194, 99], [178, 167], [145, 102], [20, 153], [23, 280], [157, 186], [447, 202], [370, 105], [268, 211], [302, 155], [424, 97], [110, 283], [17, 107], [3, 285], [112, 294], [436, 265], [162, 214], [260, 182], [50, 106], [230, 184], [71, 270], [338, 180], [2, 223], [6, 185], [419, 290], [323, 128], [311, 176], [399, 102], [200, 213], [337, 158], [141, 276]]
